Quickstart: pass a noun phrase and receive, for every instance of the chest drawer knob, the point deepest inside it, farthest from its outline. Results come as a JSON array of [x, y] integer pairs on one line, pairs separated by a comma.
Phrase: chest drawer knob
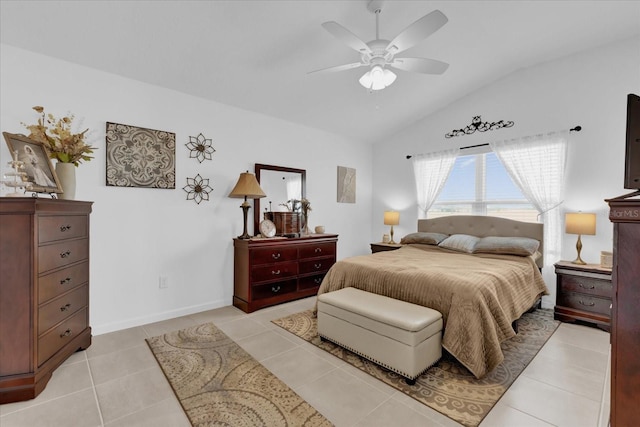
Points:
[[275, 289], [586, 287], [65, 333], [65, 307], [275, 273], [318, 266], [587, 304], [64, 228], [276, 255], [317, 280], [65, 254], [318, 250], [65, 281]]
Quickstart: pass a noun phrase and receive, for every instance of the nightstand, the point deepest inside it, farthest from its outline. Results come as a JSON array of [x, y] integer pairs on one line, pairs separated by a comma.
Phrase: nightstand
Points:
[[583, 294], [381, 247]]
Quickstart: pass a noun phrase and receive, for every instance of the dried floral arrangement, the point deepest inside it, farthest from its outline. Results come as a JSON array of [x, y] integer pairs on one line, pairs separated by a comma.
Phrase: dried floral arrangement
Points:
[[58, 138]]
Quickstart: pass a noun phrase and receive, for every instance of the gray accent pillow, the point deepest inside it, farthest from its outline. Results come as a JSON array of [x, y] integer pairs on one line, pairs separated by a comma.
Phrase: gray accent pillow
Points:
[[460, 242], [522, 246], [423, 238]]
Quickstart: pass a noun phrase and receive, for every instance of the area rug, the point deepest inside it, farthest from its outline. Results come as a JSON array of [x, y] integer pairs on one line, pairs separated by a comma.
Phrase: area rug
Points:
[[218, 383], [448, 387]]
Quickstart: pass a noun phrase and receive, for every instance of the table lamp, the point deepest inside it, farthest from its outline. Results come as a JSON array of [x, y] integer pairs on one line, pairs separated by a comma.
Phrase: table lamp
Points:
[[580, 223], [391, 218], [246, 187]]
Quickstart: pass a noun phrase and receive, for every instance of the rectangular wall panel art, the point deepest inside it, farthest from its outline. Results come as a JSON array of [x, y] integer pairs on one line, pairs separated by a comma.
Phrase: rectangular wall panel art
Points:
[[140, 157], [346, 185]]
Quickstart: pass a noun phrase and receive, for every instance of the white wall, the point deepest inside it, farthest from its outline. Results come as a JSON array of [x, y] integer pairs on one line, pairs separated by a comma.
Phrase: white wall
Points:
[[140, 234], [587, 89]]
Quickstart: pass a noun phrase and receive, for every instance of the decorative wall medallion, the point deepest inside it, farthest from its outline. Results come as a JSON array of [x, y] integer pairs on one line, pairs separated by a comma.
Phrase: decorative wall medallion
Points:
[[346, 185], [197, 189], [478, 125], [140, 157], [200, 148]]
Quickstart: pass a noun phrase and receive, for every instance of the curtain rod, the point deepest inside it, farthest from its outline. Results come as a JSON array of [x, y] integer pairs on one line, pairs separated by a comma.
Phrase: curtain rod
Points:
[[575, 129]]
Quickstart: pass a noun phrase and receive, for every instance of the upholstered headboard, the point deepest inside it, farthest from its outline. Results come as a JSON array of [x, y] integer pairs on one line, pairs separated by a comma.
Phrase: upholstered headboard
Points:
[[482, 226]]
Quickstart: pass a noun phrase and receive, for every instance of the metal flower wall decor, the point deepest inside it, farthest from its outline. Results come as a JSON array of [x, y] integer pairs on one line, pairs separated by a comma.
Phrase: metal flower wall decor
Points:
[[478, 125], [200, 148], [197, 189]]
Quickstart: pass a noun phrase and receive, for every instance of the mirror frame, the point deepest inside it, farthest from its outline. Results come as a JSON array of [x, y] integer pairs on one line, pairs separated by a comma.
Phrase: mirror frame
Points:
[[259, 167]]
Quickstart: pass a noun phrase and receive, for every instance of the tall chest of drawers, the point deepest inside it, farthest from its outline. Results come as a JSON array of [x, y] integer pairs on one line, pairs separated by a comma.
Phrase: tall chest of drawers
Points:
[[272, 271], [44, 290]]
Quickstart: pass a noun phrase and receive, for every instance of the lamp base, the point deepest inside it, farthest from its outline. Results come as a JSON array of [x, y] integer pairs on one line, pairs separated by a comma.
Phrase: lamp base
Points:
[[579, 260], [245, 210]]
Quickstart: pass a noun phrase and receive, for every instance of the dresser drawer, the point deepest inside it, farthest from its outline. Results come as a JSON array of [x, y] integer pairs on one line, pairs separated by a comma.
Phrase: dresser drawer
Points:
[[585, 302], [274, 271], [273, 289], [59, 282], [271, 255], [56, 338], [316, 265], [317, 250], [310, 282], [62, 307], [60, 227], [61, 254], [585, 285]]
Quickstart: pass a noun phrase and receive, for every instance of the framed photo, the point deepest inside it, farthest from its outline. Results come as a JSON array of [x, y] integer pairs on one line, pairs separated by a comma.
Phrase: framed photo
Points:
[[37, 165]]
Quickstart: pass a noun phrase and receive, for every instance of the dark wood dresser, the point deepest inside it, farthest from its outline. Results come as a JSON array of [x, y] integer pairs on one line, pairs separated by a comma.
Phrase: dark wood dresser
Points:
[[272, 271], [625, 325], [44, 290], [583, 294]]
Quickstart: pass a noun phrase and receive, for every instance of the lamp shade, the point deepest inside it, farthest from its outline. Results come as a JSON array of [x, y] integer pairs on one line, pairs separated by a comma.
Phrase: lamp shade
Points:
[[247, 186], [580, 223], [391, 218]]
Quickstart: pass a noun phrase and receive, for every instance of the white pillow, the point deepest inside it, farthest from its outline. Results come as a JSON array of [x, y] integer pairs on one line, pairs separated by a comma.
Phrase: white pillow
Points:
[[460, 242]]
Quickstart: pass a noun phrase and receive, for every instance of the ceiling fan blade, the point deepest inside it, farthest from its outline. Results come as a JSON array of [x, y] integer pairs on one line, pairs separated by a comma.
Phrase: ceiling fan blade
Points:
[[420, 65], [346, 36], [418, 31], [338, 68]]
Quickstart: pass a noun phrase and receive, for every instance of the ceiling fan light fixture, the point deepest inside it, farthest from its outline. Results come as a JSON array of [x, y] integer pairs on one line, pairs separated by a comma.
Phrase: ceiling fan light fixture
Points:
[[377, 78]]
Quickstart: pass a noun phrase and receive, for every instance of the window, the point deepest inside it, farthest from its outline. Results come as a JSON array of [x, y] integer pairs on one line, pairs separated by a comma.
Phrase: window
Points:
[[480, 185]]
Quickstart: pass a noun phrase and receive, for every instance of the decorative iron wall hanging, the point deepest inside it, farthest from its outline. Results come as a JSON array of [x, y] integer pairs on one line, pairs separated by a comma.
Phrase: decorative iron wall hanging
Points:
[[200, 148], [478, 125], [140, 157], [197, 189]]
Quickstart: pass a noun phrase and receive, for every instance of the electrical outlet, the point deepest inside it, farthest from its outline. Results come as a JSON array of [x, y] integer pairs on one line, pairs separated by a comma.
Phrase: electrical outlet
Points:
[[163, 282]]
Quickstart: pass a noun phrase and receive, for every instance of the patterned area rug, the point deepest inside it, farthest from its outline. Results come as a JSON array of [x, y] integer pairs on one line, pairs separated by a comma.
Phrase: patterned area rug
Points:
[[218, 383], [448, 387]]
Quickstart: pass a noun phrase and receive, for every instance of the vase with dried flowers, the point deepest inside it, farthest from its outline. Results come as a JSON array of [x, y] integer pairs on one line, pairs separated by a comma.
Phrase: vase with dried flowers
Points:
[[69, 149], [306, 208]]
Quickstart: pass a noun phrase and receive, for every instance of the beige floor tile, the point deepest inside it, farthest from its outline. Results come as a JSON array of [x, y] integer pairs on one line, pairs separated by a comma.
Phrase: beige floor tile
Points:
[[121, 363], [436, 417], [568, 355], [77, 357], [297, 367], [241, 328], [504, 416], [551, 404], [167, 413], [342, 398], [115, 341], [582, 336], [265, 345], [218, 315], [166, 326], [73, 410], [127, 395], [394, 413], [373, 382]]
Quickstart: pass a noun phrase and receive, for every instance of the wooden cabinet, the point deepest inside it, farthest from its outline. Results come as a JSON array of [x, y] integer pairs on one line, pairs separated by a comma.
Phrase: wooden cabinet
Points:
[[625, 322], [44, 290], [583, 294], [272, 271], [381, 247]]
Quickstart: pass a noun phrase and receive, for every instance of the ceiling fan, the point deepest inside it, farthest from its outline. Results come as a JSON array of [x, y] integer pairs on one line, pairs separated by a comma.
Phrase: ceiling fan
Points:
[[379, 53]]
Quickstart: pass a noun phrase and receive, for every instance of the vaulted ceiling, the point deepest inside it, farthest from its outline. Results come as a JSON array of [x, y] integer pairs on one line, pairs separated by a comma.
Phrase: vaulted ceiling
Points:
[[256, 55]]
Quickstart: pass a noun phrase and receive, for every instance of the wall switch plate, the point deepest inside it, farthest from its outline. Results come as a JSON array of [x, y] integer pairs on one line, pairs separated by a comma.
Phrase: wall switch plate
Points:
[[163, 282]]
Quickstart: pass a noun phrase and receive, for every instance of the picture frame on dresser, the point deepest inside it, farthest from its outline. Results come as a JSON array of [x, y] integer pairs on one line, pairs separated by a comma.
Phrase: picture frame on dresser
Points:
[[37, 164]]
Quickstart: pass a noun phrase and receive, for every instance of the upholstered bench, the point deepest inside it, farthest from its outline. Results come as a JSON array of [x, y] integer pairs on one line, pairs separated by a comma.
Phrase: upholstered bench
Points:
[[403, 337]]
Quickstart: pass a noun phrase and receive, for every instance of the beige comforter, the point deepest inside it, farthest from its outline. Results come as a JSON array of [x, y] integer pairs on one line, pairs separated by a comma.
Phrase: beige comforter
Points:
[[479, 296]]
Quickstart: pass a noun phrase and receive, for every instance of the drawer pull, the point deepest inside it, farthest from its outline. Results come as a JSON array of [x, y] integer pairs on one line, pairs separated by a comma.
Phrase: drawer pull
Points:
[[275, 289], [590, 304], [65, 307], [318, 250], [275, 273], [275, 256], [65, 281], [318, 266], [317, 280], [64, 228], [65, 333], [65, 254], [586, 287]]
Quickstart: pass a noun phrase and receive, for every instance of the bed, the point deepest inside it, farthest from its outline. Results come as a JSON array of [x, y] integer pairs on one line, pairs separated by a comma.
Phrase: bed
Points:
[[480, 295]]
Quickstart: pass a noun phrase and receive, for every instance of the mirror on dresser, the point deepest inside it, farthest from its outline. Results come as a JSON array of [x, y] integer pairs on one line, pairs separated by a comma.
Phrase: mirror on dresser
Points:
[[280, 184]]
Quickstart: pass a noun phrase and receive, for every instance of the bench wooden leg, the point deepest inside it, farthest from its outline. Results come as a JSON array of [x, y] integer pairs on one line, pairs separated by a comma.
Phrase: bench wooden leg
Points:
[[410, 382]]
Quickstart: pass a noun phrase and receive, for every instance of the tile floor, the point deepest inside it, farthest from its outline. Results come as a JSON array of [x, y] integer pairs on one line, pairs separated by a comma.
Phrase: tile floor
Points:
[[117, 382]]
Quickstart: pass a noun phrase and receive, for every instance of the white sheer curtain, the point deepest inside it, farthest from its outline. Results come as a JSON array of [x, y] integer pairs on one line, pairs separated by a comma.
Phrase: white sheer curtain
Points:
[[537, 165], [294, 188], [431, 172]]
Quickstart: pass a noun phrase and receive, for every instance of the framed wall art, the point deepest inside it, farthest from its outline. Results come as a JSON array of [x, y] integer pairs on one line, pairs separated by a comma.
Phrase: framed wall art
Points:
[[140, 157], [346, 185], [37, 165]]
